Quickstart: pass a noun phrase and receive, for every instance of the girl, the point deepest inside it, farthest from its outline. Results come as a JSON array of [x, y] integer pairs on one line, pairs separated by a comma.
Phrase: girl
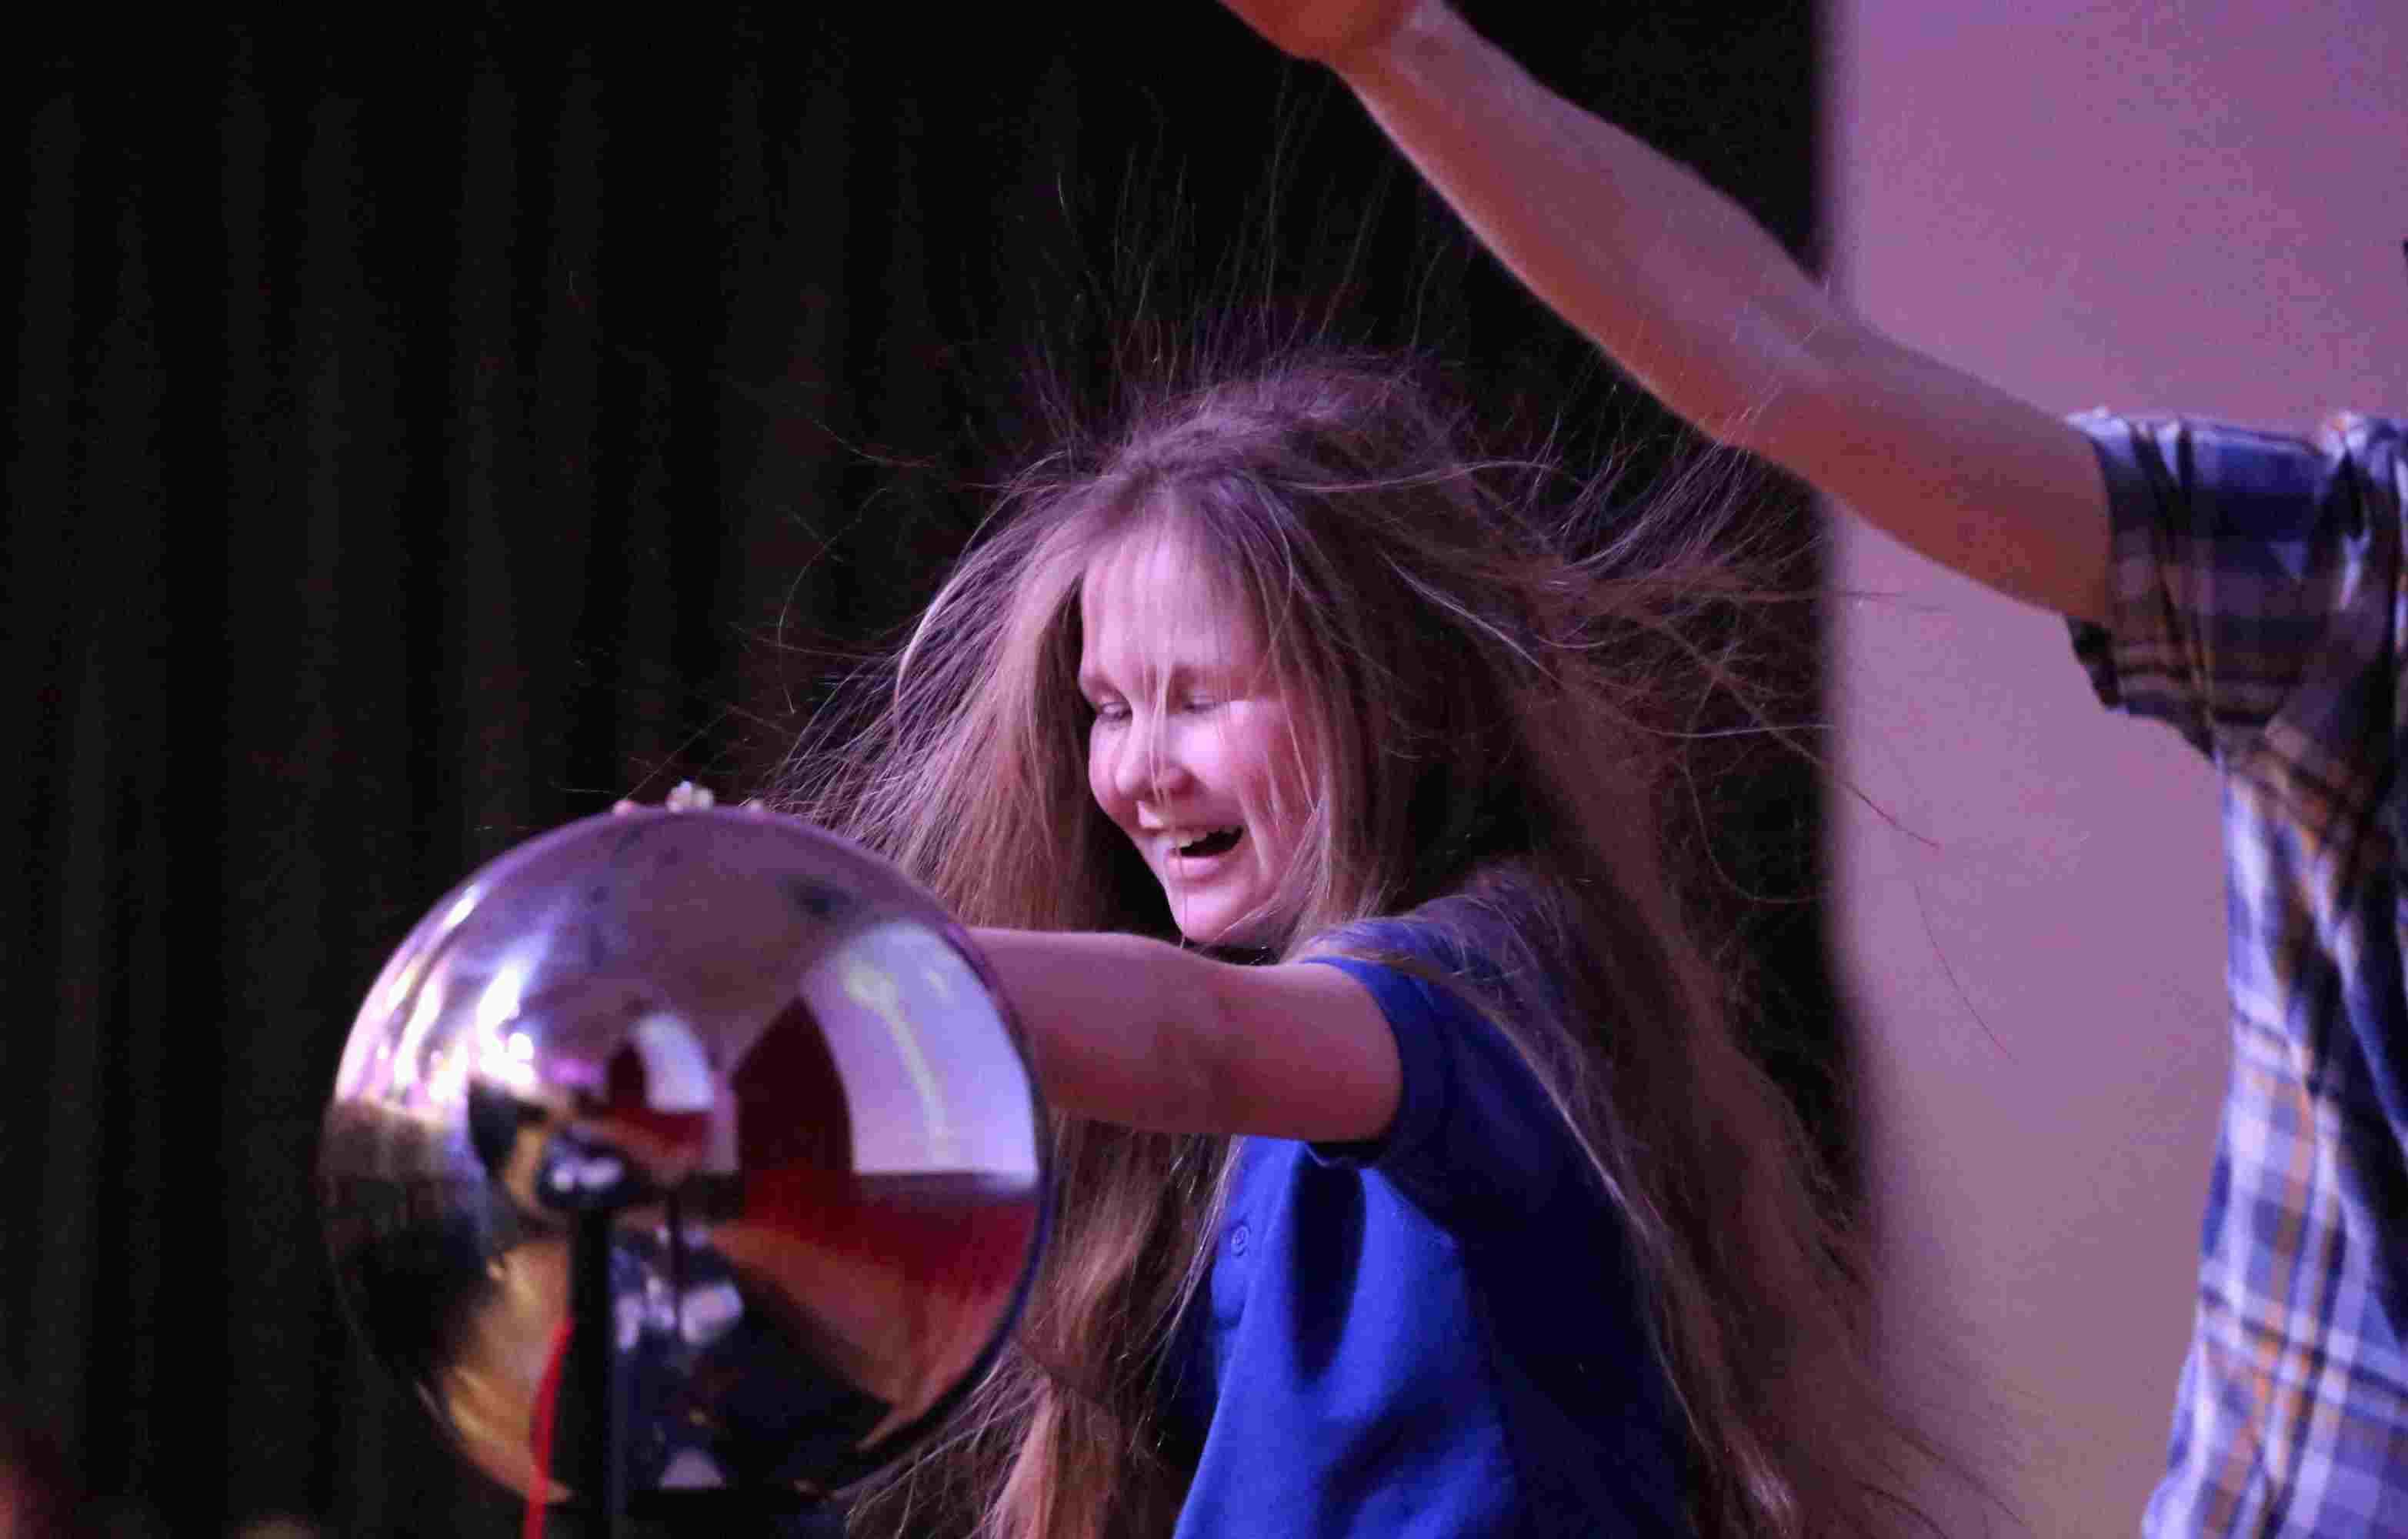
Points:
[[1314, 801]]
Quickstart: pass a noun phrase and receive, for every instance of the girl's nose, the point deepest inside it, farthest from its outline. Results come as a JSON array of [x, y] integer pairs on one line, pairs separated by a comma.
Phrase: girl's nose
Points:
[[1146, 765]]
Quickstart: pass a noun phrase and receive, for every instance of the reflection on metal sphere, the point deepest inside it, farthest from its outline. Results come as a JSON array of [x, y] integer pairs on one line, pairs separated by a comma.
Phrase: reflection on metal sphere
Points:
[[775, 1080]]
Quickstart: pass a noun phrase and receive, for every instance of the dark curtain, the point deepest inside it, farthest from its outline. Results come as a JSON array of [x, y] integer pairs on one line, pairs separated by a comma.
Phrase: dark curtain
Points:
[[429, 428]]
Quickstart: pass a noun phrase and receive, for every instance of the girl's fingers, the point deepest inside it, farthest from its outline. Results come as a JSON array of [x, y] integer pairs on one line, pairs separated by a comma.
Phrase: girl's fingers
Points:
[[685, 796]]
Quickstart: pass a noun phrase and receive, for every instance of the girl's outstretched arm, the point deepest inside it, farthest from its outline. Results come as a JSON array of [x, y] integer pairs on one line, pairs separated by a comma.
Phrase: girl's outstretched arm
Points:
[[1136, 1031], [1705, 309]]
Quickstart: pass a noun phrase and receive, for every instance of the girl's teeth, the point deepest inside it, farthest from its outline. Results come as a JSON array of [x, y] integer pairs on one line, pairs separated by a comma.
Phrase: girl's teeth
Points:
[[1188, 846]]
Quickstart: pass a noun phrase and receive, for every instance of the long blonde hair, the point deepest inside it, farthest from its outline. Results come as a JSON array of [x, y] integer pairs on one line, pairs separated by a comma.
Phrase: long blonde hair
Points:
[[1499, 723]]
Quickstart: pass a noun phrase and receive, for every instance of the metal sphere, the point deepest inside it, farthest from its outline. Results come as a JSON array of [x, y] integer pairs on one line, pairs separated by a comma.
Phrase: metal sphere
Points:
[[768, 1072]]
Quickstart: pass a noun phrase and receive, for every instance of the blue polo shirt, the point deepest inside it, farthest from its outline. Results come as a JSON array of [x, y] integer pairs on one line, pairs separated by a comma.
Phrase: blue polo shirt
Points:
[[1437, 1334]]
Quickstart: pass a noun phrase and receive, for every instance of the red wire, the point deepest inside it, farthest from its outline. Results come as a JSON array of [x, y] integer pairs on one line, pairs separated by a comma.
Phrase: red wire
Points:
[[547, 1396]]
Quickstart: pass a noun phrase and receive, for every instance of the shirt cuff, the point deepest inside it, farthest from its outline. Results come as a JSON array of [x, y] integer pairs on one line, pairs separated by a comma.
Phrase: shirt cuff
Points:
[[2139, 634]]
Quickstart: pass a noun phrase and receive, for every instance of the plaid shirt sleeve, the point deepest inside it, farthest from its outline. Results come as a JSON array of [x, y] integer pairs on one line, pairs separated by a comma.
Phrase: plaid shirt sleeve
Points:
[[2231, 551], [2256, 604]]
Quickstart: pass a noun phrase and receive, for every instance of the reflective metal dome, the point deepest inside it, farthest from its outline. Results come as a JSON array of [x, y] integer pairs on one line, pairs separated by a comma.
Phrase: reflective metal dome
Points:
[[731, 1082]]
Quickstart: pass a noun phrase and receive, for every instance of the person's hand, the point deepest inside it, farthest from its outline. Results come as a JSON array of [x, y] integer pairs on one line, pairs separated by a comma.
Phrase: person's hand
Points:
[[1327, 31], [684, 797]]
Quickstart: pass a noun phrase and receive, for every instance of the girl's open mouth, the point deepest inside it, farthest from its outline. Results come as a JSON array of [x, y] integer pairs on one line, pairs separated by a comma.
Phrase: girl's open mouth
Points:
[[1217, 841]]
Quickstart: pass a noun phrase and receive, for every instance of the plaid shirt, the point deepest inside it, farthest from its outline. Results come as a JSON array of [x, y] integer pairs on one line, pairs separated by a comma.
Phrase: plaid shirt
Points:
[[2257, 607]]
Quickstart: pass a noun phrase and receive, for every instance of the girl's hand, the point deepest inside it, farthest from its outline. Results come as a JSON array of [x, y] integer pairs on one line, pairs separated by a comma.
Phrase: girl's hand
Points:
[[684, 797], [1328, 31]]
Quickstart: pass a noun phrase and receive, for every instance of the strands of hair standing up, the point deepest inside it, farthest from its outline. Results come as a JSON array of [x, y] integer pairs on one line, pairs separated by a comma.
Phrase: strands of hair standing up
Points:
[[1504, 734]]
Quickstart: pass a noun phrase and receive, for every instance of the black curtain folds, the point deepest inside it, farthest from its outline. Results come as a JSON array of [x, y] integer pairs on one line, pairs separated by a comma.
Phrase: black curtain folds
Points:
[[429, 428]]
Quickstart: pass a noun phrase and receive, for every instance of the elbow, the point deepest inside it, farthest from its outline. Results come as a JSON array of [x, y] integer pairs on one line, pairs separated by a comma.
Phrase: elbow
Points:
[[1199, 1071], [1808, 378], [1773, 382], [1177, 1076]]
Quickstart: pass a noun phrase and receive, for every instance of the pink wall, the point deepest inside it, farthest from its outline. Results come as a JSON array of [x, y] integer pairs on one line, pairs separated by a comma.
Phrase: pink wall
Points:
[[2151, 204]]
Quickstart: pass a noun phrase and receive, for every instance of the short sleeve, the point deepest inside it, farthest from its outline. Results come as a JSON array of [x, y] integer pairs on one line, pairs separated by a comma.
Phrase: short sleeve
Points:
[[1475, 1140], [2230, 552]]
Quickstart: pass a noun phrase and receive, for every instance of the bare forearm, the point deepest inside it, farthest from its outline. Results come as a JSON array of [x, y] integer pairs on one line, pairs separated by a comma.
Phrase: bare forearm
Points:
[[1673, 279], [1134, 1031], [1119, 1025], [1697, 302]]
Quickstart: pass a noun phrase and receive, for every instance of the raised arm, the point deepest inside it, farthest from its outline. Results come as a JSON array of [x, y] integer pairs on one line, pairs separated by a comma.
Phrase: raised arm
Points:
[[1705, 309], [1135, 1032]]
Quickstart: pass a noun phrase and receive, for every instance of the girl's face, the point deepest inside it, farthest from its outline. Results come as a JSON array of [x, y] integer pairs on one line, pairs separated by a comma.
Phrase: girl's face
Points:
[[1193, 752]]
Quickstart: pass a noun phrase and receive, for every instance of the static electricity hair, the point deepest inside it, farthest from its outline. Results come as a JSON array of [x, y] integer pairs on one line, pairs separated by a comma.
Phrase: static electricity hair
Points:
[[1504, 708]]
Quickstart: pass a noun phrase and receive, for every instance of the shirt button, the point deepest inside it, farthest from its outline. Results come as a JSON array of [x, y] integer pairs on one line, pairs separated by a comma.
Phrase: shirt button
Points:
[[1239, 1235]]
